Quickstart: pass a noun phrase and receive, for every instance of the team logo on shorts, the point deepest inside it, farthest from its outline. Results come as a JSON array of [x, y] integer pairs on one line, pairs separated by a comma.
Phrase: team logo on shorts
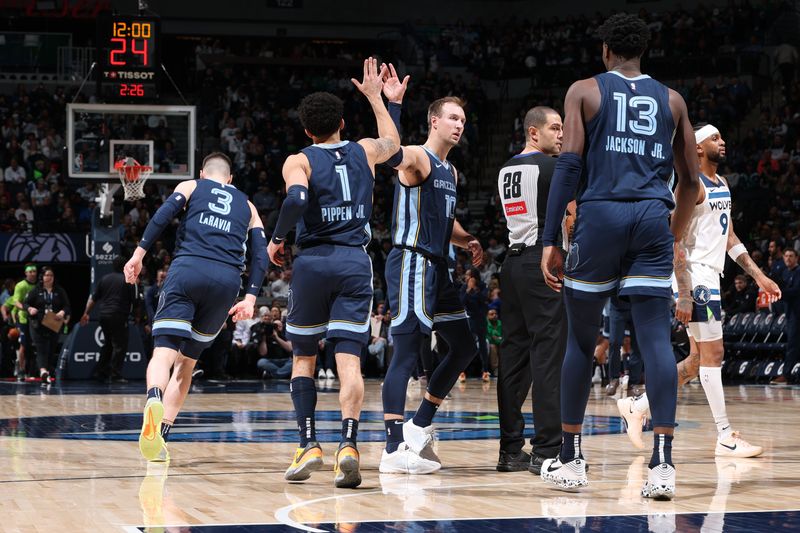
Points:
[[701, 295], [289, 302], [573, 257]]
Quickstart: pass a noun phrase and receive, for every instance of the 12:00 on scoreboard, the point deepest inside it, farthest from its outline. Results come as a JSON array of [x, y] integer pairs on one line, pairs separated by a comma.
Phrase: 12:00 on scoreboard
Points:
[[128, 48]]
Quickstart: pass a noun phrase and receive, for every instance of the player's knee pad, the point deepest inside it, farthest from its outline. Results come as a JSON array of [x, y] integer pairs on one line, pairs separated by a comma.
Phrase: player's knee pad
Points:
[[305, 346], [395, 384]]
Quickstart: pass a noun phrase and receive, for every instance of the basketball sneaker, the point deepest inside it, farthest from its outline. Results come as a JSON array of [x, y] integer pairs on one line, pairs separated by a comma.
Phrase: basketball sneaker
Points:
[[421, 440], [660, 484], [306, 460], [566, 476], [345, 467], [736, 446], [163, 455], [150, 441], [634, 419], [405, 461]]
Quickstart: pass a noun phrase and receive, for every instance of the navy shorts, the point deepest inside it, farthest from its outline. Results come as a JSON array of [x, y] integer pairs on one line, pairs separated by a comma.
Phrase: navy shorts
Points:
[[620, 247], [330, 295], [194, 303], [421, 292]]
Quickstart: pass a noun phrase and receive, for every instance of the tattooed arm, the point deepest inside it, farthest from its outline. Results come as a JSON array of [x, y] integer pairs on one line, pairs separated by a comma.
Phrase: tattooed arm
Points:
[[683, 306]]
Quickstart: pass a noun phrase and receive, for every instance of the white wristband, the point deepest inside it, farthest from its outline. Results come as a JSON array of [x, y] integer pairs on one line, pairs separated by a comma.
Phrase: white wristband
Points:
[[736, 251]]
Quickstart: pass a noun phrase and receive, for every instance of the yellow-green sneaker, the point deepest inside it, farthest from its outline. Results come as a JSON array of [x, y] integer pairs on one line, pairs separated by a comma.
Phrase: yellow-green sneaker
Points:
[[346, 467], [150, 441], [306, 460], [163, 455]]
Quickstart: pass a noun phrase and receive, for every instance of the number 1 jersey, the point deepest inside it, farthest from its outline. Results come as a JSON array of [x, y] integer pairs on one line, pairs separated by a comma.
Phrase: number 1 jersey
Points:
[[339, 196], [628, 150], [215, 225]]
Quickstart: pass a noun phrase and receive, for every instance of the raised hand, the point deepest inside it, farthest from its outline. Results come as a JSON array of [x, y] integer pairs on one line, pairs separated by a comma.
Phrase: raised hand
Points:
[[393, 88], [372, 83]]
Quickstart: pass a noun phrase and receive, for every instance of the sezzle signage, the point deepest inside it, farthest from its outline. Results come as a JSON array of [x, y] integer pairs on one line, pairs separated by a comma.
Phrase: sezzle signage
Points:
[[84, 345]]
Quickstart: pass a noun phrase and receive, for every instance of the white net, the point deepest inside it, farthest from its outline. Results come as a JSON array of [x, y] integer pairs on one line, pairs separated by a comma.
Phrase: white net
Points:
[[133, 178]]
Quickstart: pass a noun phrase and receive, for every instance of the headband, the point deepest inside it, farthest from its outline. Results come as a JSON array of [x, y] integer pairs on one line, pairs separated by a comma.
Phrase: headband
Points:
[[704, 133], [30, 268]]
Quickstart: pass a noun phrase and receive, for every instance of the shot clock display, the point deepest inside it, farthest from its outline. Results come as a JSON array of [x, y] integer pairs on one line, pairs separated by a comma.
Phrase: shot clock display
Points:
[[129, 58]]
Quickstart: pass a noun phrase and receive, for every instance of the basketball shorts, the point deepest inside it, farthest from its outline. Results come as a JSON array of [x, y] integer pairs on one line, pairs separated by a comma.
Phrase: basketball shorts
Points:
[[421, 292], [330, 295], [24, 334], [194, 303], [706, 322], [620, 247]]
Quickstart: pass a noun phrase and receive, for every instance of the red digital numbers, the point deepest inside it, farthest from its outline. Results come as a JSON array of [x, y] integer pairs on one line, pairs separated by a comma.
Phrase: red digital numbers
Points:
[[115, 51], [131, 89], [119, 46]]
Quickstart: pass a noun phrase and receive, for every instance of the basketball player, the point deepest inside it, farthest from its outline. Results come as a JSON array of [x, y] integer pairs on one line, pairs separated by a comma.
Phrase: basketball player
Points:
[[622, 123], [201, 287], [709, 236], [421, 293], [329, 198], [20, 314]]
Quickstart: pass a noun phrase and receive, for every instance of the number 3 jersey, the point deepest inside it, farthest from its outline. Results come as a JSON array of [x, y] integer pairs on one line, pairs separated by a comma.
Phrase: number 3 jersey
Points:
[[707, 236], [339, 196], [215, 225], [628, 154], [422, 219]]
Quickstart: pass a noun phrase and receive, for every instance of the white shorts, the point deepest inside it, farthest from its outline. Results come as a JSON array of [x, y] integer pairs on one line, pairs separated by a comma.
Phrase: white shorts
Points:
[[706, 322]]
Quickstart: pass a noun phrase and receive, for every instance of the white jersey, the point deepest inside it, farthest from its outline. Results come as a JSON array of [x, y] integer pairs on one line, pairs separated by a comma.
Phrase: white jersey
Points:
[[707, 237]]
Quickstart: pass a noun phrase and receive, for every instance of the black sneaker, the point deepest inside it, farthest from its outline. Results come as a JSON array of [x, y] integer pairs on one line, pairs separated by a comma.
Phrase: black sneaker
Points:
[[513, 462], [535, 466]]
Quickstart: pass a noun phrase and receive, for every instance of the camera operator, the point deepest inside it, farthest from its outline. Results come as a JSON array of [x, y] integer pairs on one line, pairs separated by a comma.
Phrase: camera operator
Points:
[[274, 350]]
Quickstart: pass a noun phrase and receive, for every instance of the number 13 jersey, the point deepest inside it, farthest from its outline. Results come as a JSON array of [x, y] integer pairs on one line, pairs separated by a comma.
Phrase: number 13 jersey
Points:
[[628, 150], [215, 224]]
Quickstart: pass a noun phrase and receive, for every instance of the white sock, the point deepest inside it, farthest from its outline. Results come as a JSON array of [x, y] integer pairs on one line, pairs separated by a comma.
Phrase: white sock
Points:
[[711, 379]]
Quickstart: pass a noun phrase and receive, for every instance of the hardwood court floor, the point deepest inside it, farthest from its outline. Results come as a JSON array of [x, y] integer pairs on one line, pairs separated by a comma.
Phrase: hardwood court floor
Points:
[[70, 463]]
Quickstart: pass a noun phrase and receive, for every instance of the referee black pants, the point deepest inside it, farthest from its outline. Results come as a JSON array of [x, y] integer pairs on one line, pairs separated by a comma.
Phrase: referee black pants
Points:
[[112, 354], [535, 338]]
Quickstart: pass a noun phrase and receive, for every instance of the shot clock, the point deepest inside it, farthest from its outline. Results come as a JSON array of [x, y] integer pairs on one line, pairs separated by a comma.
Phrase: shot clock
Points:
[[129, 53]]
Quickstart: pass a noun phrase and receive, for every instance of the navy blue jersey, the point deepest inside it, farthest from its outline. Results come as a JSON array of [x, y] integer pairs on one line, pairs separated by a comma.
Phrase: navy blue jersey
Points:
[[423, 216], [339, 196], [628, 154], [215, 225]]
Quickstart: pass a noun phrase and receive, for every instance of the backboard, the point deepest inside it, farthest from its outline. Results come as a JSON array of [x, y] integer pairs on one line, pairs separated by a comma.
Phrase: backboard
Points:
[[162, 137]]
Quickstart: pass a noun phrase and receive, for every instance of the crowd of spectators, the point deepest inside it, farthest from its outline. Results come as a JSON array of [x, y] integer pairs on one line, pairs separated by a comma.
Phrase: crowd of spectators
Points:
[[247, 107]]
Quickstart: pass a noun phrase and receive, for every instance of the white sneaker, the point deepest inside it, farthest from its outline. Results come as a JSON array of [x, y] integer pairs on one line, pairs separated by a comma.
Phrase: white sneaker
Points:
[[660, 484], [566, 476], [634, 419], [421, 440], [321, 373], [405, 461], [736, 446], [329, 374], [623, 386], [597, 377]]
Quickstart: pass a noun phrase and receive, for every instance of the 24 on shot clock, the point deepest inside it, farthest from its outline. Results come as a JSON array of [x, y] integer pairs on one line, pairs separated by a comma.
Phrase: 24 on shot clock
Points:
[[129, 58]]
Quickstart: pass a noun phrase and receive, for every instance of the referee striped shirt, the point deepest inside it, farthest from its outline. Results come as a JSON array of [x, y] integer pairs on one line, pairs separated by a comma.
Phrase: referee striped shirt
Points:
[[524, 184]]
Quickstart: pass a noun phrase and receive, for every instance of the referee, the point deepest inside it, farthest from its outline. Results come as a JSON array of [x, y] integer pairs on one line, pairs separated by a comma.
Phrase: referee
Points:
[[534, 321]]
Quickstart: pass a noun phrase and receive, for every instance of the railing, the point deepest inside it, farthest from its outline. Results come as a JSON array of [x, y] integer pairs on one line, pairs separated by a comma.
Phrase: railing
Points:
[[74, 62]]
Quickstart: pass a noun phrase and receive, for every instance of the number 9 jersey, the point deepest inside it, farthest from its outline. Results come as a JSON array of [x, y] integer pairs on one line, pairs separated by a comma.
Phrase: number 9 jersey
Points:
[[707, 237]]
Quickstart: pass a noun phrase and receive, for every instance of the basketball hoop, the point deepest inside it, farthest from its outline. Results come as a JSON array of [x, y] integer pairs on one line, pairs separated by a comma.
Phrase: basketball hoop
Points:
[[132, 176]]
